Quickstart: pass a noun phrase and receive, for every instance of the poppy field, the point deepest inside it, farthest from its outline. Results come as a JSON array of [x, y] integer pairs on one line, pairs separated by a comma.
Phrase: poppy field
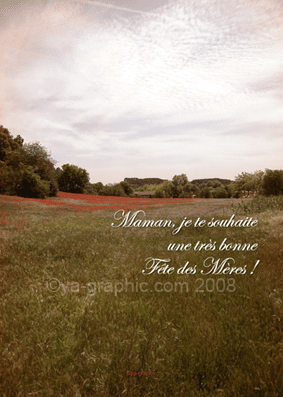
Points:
[[86, 203], [87, 309]]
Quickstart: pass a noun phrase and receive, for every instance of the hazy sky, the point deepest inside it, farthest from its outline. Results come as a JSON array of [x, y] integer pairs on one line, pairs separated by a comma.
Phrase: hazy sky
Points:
[[144, 88]]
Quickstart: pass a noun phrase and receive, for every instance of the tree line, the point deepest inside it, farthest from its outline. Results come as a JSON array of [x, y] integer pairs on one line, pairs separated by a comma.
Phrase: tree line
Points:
[[28, 170], [265, 183], [139, 182], [25, 169]]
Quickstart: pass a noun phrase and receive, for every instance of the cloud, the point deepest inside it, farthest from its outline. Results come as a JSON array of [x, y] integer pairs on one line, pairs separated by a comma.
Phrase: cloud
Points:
[[185, 78]]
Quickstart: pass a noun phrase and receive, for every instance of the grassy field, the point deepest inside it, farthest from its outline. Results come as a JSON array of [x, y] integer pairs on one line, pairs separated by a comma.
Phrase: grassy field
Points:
[[79, 317]]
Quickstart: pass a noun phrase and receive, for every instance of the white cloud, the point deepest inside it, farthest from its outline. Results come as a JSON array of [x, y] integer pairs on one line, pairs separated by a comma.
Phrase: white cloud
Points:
[[183, 79]]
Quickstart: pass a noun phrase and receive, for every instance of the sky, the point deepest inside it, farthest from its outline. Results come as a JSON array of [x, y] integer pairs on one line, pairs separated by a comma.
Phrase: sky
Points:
[[144, 88]]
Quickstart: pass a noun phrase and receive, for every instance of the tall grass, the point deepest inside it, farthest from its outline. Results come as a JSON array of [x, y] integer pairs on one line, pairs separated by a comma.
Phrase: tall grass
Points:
[[259, 204], [70, 339]]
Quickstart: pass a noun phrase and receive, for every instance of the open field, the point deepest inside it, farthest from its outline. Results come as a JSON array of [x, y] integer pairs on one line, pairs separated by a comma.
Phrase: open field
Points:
[[79, 317]]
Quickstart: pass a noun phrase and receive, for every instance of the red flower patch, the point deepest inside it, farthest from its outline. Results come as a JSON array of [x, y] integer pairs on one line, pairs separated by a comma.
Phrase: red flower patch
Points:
[[89, 203]]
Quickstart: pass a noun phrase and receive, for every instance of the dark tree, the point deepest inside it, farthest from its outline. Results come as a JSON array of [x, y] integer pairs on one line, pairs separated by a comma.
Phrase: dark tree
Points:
[[206, 192], [36, 156], [25, 169], [73, 179], [127, 188], [30, 184], [114, 190], [180, 180], [7, 145], [273, 182]]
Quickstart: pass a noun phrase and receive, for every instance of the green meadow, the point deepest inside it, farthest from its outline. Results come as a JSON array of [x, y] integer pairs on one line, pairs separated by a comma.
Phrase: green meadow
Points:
[[80, 316]]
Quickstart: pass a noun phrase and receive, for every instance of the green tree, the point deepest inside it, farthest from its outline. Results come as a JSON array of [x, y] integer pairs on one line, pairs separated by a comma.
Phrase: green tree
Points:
[[247, 181], [159, 193], [206, 192], [169, 189], [189, 189], [73, 179], [127, 188], [180, 180], [25, 169], [113, 190], [98, 186], [220, 192], [30, 184], [273, 182], [19, 140], [36, 156], [7, 180], [94, 188], [7, 145], [10, 158], [214, 183], [243, 181], [232, 190]]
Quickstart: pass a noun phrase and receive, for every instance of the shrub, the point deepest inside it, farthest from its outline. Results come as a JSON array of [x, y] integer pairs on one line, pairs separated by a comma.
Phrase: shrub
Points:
[[273, 182], [127, 188], [115, 190], [72, 179], [205, 192], [185, 195], [35, 155], [30, 184], [159, 193], [220, 192]]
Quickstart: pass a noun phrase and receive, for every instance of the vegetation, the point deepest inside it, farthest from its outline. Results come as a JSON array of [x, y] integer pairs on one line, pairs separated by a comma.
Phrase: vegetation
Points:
[[31, 185], [139, 182], [37, 157], [64, 334], [72, 179], [249, 182], [29, 171], [214, 182], [122, 189], [25, 169], [259, 204], [272, 182], [94, 188]]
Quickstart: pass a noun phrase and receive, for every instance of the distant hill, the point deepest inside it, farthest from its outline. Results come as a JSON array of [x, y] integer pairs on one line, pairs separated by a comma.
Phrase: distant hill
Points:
[[138, 182], [199, 182]]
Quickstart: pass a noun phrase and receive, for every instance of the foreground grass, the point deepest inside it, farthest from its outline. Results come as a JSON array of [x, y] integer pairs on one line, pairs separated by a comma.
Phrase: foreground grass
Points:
[[63, 334]]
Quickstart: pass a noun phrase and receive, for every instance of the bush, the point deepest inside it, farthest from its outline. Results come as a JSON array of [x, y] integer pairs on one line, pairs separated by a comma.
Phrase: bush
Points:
[[189, 189], [169, 190], [237, 194], [185, 195], [205, 192], [273, 182], [31, 185], [72, 179], [220, 192], [98, 187], [7, 144], [90, 189], [159, 193], [35, 155], [7, 180], [127, 188], [115, 190]]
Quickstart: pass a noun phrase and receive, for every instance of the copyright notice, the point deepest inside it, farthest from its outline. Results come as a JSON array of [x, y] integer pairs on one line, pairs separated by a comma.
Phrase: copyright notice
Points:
[[199, 285]]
